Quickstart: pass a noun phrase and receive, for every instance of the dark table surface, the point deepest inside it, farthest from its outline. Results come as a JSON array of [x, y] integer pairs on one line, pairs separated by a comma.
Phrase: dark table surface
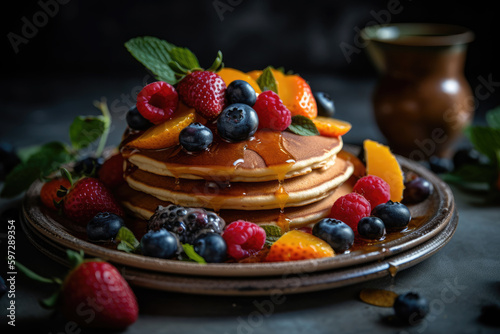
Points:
[[458, 280]]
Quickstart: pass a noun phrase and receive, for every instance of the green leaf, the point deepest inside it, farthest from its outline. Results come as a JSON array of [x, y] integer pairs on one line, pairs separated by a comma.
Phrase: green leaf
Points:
[[273, 233], [189, 250], [75, 258], [485, 139], [493, 118], [154, 54], [85, 130], [43, 162], [303, 126], [127, 240], [185, 58], [267, 81], [217, 65], [32, 275]]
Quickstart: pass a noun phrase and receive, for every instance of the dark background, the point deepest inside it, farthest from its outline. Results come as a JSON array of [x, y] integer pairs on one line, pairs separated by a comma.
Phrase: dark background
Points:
[[81, 42]]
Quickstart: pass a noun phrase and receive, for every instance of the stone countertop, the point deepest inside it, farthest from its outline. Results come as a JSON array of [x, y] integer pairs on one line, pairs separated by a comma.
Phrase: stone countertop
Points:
[[458, 281]]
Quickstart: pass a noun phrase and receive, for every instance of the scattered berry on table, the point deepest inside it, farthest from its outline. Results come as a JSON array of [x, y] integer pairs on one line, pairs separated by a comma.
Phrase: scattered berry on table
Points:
[[240, 91], [296, 245], [86, 198], [395, 215], [195, 137], [371, 228], [335, 232], [237, 122], [136, 121], [104, 226], [211, 247], [49, 192], [204, 91], [374, 189], [8, 159], [243, 239], [88, 166], [350, 208], [325, 104], [273, 114], [157, 101], [411, 307], [417, 189], [111, 171], [161, 244]]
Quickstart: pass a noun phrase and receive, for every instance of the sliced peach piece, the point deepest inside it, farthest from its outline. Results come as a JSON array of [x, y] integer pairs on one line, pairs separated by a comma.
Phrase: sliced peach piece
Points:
[[298, 245], [166, 134], [382, 163], [230, 74], [331, 127]]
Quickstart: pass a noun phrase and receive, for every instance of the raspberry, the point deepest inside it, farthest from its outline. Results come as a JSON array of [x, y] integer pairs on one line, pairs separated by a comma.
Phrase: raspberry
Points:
[[243, 239], [157, 101], [272, 112], [374, 189], [350, 209]]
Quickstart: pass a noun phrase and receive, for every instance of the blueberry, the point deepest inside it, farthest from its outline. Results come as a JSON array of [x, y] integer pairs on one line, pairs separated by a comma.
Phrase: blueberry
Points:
[[8, 159], [440, 165], [136, 121], [240, 91], [466, 156], [195, 137], [211, 247], [88, 166], [3, 287], [161, 244], [395, 215], [417, 190], [237, 122], [411, 307], [371, 228], [325, 104], [335, 232], [104, 226]]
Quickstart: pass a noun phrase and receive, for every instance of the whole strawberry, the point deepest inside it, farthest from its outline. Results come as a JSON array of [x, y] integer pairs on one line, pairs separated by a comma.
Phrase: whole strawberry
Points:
[[93, 294], [87, 197], [50, 189], [204, 91]]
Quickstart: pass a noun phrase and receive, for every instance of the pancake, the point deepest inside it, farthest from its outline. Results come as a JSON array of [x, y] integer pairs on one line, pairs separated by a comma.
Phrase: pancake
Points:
[[220, 194], [269, 155], [143, 206]]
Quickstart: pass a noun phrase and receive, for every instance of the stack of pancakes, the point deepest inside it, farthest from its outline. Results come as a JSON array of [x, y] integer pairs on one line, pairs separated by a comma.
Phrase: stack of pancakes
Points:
[[273, 178]]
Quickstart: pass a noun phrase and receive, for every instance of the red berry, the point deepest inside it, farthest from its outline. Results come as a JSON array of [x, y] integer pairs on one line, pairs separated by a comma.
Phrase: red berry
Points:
[[111, 171], [94, 294], [374, 189], [48, 193], [157, 101], [350, 209], [86, 198], [272, 112], [204, 91], [243, 239]]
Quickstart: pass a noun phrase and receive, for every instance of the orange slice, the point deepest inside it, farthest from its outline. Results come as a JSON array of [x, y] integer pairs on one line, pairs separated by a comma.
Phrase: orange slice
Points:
[[166, 134], [331, 127], [359, 167], [297, 245], [230, 74], [382, 163]]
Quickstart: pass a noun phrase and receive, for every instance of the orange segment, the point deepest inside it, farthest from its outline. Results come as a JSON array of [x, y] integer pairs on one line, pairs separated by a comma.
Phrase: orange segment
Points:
[[382, 163], [359, 167], [331, 127], [297, 245], [166, 134], [230, 74]]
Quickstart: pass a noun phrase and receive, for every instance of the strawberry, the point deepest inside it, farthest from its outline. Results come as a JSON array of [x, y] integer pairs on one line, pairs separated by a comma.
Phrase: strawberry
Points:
[[111, 171], [87, 197], [204, 91], [49, 192], [93, 294], [298, 245]]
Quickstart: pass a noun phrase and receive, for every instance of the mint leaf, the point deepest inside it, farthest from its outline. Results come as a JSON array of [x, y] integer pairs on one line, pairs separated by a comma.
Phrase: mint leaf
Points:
[[127, 240], [42, 162], [189, 250], [154, 54], [485, 139], [493, 118], [185, 58], [303, 126], [85, 130], [267, 81], [273, 233]]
